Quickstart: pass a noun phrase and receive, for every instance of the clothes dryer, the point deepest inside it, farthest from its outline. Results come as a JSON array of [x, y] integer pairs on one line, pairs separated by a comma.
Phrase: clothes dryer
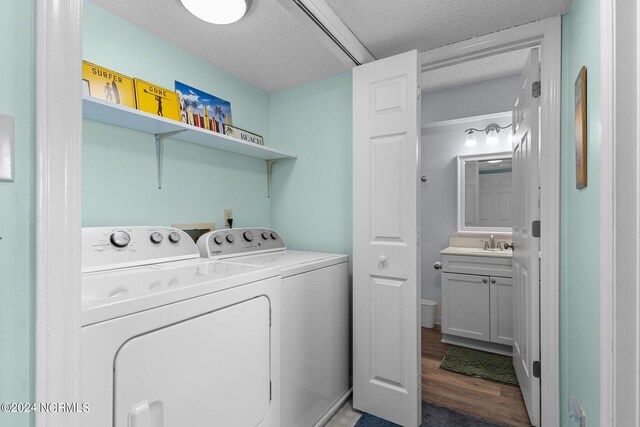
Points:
[[170, 339]]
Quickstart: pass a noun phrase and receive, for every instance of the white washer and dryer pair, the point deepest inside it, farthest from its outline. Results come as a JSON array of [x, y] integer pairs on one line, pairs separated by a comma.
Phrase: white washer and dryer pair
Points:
[[315, 319], [170, 339]]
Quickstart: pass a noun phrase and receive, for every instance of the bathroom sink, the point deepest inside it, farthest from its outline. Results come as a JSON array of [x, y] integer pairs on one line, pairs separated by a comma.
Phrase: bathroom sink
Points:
[[495, 252]]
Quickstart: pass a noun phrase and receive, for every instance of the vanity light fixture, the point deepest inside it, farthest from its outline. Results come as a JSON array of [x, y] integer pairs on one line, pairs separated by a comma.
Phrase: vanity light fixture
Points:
[[220, 12], [491, 131], [471, 140]]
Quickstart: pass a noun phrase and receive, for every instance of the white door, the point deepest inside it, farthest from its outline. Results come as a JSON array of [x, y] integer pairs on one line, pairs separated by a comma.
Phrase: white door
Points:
[[526, 255], [386, 277]]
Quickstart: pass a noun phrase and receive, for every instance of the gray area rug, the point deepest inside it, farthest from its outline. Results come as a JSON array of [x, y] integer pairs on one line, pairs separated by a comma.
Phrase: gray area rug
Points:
[[481, 364], [432, 416]]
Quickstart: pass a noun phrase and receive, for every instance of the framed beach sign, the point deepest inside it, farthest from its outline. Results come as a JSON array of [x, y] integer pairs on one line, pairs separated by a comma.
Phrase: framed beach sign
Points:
[[581, 128]]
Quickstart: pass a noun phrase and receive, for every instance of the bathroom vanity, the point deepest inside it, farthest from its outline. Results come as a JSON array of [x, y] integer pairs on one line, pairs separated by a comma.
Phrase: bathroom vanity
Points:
[[477, 298]]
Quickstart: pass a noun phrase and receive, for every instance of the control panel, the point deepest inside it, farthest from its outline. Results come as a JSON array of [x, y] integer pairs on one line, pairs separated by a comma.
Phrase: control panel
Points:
[[239, 241], [106, 248]]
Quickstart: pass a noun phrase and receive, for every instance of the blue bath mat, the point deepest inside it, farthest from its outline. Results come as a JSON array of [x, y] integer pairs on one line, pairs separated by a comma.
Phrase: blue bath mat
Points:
[[432, 416]]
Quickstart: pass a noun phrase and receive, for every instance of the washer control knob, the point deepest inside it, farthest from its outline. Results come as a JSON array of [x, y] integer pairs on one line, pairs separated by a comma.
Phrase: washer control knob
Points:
[[248, 236], [120, 239], [230, 238], [174, 237], [274, 236], [218, 239], [265, 235], [156, 237]]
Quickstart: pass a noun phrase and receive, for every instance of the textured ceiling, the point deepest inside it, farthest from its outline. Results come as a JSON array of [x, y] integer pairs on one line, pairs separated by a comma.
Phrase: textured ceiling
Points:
[[268, 47], [388, 27], [492, 67]]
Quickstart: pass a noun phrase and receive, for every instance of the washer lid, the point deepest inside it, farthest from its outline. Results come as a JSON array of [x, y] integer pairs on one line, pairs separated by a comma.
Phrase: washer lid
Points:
[[292, 262], [115, 293]]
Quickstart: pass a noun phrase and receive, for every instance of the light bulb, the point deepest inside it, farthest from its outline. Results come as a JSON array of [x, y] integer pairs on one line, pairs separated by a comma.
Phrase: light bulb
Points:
[[471, 140], [492, 137], [219, 12]]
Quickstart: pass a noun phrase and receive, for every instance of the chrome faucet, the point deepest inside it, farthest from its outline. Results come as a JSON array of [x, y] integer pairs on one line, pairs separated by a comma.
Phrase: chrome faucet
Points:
[[491, 244]]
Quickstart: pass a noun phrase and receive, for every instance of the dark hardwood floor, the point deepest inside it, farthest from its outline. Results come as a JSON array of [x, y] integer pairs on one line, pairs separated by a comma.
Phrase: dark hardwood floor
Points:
[[500, 403]]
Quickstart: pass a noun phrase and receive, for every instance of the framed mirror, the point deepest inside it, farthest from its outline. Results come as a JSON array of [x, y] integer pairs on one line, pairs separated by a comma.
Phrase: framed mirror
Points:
[[484, 193]]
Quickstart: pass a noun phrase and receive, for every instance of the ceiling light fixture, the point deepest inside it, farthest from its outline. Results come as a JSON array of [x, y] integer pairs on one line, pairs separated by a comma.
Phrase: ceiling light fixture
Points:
[[220, 12], [492, 134]]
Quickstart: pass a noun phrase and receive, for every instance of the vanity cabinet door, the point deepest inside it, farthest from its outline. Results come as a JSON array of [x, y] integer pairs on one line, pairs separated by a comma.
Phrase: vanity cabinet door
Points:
[[501, 310], [465, 306]]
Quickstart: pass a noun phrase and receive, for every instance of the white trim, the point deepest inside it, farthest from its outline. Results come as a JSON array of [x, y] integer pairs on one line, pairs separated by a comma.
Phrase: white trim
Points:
[[546, 34], [607, 215], [620, 214], [463, 120], [58, 144]]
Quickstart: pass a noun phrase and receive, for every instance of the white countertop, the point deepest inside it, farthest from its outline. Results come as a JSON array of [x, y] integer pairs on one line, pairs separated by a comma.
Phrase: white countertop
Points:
[[458, 250]]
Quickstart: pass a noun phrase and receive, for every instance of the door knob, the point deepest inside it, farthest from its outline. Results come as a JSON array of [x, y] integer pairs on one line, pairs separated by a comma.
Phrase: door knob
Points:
[[423, 178], [382, 259], [437, 265]]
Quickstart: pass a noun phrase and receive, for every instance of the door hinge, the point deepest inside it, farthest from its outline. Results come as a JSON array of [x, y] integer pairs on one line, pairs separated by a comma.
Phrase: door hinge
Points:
[[536, 89], [418, 97], [269, 316], [536, 369], [535, 228], [270, 390]]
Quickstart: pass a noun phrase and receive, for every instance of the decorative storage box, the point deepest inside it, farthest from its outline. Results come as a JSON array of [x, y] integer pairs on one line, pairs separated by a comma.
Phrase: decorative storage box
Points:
[[242, 134], [102, 83], [157, 100]]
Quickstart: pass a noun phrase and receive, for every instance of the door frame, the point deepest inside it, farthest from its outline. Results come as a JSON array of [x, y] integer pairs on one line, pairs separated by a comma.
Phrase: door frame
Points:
[[619, 213], [58, 122], [547, 35]]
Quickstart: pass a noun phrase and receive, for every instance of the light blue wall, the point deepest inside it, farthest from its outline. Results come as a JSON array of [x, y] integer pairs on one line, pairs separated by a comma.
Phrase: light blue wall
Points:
[[17, 295], [119, 166], [579, 285], [312, 196]]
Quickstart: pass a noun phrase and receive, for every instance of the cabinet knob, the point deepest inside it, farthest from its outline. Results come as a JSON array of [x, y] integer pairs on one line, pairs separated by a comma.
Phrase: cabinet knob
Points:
[[484, 280], [493, 280], [437, 265], [382, 259]]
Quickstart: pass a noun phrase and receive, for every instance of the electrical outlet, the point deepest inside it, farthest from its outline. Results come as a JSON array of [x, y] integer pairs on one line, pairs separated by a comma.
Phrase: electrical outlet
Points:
[[228, 214], [576, 411]]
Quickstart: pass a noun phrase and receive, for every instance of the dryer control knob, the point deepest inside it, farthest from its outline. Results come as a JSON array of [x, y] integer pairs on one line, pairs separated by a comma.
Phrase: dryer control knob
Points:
[[230, 238], [156, 237], [265, 235], [120, 239], [174, 237], [274, 236], [248, 236], [218, 239]]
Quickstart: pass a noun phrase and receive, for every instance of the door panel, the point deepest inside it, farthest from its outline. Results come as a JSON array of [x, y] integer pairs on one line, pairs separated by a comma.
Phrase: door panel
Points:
[[465, 306], [502, 310], [386, 292], [210, 370], [526, 258]]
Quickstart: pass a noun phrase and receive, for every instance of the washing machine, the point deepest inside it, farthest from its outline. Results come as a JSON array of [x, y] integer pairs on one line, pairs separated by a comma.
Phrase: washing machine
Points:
[[315, 319], [170, 339]]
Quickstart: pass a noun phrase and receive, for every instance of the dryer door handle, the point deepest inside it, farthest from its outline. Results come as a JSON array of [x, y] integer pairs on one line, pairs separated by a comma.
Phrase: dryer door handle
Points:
[[145, 414]]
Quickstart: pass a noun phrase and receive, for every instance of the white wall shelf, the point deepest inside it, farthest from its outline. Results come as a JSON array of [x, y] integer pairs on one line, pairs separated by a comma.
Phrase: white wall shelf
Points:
[[106, 112]]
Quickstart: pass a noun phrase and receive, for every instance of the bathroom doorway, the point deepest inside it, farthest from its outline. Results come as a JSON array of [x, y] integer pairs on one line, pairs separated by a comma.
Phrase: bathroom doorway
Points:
[[467, 103]]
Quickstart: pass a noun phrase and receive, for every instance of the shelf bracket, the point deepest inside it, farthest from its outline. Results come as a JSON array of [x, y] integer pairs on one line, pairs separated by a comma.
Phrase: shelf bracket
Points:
[[270, 163], [160, 151]]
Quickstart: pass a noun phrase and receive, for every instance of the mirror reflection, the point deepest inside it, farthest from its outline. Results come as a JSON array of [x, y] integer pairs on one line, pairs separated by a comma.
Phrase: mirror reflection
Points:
[[486, 190]]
